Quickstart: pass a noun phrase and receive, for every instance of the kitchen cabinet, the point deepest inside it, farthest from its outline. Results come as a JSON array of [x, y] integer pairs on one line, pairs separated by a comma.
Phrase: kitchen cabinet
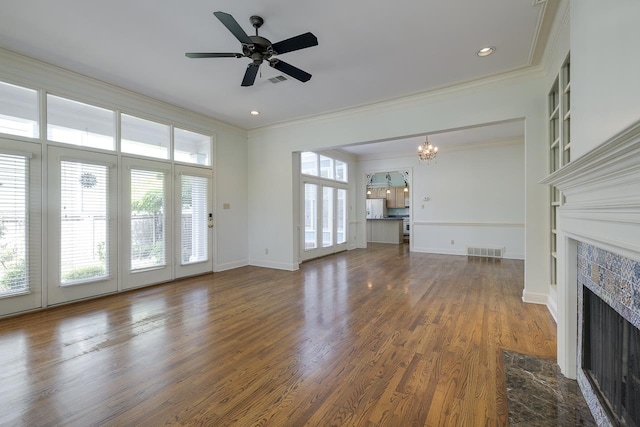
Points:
[[377, 193], [396, 199], [385, 230], [401, 195]]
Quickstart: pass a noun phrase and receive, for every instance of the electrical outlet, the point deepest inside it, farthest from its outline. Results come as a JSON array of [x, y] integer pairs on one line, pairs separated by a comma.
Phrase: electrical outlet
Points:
[[266, 251], [452, 242]]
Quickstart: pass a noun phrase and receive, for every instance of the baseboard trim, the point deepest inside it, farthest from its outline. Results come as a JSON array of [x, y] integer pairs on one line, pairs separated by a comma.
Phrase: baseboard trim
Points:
[[274, 265], [460, 253], [535, 298], [231, 265]]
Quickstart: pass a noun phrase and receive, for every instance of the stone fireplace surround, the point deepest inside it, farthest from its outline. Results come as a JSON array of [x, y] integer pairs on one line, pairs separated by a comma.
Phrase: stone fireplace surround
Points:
[[598, 230]]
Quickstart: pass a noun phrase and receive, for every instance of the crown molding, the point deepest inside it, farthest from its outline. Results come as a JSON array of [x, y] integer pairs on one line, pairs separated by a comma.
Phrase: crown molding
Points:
[[551, 50]]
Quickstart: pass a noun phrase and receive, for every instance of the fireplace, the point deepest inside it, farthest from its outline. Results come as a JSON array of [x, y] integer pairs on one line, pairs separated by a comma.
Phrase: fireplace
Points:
[[598, 255], [611, 359], [609, 336]]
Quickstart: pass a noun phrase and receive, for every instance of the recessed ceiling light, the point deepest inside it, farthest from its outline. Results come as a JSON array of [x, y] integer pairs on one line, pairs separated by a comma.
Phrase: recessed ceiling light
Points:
[[486, 51], [255, 112]]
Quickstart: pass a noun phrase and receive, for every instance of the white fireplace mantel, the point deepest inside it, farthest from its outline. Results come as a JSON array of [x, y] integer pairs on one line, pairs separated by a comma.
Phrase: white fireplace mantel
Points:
[[601, 193]]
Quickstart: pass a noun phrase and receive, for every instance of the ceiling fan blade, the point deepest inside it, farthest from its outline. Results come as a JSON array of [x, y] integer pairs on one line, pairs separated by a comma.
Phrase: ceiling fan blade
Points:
[[212, 55], [289, 69], [295, 43], [250, 75], [233, 26]]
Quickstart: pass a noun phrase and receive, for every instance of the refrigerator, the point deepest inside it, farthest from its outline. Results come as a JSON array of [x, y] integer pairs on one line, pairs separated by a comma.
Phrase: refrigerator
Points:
[[376, 208]]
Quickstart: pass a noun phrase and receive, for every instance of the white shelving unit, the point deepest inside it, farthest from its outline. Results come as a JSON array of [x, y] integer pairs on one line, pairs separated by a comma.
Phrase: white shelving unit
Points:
[[559, 106]]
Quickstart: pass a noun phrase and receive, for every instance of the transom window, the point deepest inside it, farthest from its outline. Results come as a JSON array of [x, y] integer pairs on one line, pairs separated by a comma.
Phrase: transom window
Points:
[[18, 111], [322, 166]]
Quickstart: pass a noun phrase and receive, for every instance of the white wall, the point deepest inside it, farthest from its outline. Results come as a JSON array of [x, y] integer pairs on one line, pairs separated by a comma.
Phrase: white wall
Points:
[[513, 96], [476, 198], [605, 88]]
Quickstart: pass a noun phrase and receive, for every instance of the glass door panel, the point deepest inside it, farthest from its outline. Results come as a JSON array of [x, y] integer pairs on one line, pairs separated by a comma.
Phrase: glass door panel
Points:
[[196, 222], [341, 217], [148, 227], [310, 216], [84, 230], [82, 234], [146, 201], [328, 215], [20, 227]]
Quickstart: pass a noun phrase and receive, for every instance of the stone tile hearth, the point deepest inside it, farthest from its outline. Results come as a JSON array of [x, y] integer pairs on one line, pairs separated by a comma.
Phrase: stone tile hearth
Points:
[[539, 395]]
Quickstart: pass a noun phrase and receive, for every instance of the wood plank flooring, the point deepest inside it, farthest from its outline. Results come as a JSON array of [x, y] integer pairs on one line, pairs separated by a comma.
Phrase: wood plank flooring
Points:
[[375, 337]]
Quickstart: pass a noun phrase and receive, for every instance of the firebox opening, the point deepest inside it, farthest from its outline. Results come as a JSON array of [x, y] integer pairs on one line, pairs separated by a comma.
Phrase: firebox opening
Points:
[[611, 359]]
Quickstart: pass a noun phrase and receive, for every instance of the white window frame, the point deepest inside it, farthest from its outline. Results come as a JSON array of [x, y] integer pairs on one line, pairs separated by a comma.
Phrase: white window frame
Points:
[[33, 298], [56, 293]]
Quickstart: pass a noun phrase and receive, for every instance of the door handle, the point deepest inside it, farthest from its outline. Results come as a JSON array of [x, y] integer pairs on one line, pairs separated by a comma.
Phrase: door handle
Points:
[[210, 220]]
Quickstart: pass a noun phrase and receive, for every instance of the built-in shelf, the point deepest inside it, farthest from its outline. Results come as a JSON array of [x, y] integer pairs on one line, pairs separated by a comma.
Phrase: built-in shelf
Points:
[[559, 102]]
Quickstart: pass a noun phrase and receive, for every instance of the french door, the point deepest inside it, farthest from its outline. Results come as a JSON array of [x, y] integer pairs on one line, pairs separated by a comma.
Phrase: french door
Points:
[[111, 224], [324, 210], [82, 227], [194, 221], [20, 226]]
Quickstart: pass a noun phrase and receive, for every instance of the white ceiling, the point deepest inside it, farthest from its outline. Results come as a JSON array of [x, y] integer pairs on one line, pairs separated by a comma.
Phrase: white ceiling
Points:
[[369, 50]]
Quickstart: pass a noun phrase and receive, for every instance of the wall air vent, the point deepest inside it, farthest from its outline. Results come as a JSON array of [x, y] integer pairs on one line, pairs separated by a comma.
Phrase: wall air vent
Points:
[[277, 79], [485, 252]]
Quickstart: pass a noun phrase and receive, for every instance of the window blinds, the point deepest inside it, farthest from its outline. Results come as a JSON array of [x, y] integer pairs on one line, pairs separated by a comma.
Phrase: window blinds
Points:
[[148, 229], [194, 235], [13, 224], [84, 225]]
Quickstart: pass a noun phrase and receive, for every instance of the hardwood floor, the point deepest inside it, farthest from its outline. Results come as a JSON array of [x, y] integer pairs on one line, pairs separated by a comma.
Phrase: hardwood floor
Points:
[[369, 337]]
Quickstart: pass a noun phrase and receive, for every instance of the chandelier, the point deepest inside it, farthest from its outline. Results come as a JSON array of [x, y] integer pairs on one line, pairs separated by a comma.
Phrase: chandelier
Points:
[[426, 151]]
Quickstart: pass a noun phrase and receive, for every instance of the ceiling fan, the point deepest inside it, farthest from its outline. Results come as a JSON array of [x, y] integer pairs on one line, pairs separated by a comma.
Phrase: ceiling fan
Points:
[[259, 49]]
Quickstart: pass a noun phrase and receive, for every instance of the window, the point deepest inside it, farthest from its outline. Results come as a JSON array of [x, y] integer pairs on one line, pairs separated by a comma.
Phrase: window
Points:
[[326, 167], [81, 124], [144, 137], [194, 219], [84, 228], [341, 171], [18, 111], [191, 147], [13, 225], [148, 227], [323, 166], [309, 163]]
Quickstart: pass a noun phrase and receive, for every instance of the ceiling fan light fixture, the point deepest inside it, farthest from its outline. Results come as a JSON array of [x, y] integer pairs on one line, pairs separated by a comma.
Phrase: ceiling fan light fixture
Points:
[[486, 51]]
